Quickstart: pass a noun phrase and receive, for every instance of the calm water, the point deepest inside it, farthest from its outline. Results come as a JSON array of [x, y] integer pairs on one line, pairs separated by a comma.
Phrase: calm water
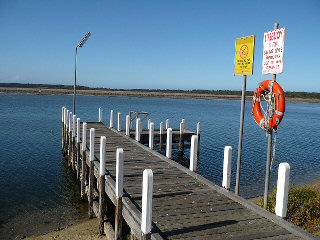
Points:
[[38, 193]]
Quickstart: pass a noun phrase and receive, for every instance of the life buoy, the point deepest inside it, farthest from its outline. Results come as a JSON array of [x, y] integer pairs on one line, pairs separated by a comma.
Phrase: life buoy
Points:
[[275, 94]]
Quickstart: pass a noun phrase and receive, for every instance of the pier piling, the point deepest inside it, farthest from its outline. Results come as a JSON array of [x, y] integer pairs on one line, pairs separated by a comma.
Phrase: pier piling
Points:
[[119, 194]]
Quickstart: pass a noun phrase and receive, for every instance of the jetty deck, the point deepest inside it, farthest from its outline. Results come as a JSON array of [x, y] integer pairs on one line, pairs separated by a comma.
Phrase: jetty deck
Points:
[[185, 205]]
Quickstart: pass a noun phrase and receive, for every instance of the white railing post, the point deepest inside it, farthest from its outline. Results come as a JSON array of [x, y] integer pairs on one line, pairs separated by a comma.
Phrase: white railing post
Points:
[[147, 191], [282, 190], [119, 121], [128, 125], [226, 179], [100, 114], [83, 162], [151, 135], [111, 119], [138, 130], [167, 124], [149, 121], [169, 143], [91, 172], [102, 171], [161, 135], [193, 153], [184, 124], [119, 194], [181, 139], [74, 125], [78, 130]]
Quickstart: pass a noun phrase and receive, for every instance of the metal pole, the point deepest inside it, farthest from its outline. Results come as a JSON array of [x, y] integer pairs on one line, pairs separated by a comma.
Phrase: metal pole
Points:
[[75, 82], [269, 151], [243, 104]]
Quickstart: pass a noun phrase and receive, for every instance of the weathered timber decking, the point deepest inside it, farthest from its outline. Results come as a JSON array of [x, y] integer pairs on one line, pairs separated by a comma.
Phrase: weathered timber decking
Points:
[[185, 205]]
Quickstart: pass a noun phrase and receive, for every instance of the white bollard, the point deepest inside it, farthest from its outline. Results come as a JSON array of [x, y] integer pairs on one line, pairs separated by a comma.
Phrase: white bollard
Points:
[[147, 191], [149, 121], [167, 124], [84, 136], [100, 114], [111, 119], [138, 131], [128, 125], [226, 179], [92, 136], [169, 143], [198, 128], [282, 190], [62, 114], [151, 135], [141, 127], [74, 125], [103, 142], [161, 128], [78, 130], [70, 123], [184, 123], [193, 153], [119, 172], [119, 121], [67, 118]]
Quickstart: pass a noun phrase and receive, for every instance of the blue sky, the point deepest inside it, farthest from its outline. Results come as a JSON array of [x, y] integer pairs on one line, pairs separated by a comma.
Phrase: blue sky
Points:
[[176, 44]]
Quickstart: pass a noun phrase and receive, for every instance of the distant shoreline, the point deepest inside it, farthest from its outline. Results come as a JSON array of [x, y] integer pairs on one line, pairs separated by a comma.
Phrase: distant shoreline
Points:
[[136, 93]]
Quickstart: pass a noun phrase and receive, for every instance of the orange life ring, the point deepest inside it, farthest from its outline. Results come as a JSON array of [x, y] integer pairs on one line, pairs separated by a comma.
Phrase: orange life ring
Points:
[[271, 119]]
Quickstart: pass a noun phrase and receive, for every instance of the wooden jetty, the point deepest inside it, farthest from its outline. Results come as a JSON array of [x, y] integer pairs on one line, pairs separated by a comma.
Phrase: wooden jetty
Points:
[[184, 205]]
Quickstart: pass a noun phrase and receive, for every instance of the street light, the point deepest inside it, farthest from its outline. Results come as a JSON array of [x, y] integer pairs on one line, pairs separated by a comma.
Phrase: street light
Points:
[[81, 43]]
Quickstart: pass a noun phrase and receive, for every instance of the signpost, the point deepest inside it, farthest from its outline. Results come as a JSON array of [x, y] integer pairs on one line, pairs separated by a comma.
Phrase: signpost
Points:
[[273, 49], [243, 66]]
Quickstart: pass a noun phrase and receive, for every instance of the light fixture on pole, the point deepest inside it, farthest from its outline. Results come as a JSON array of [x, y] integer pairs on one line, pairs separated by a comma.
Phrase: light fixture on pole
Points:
[[81, 43]]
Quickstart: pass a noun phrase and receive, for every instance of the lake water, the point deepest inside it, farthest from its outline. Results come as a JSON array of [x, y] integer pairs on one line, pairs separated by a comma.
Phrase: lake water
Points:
[[39, 193]]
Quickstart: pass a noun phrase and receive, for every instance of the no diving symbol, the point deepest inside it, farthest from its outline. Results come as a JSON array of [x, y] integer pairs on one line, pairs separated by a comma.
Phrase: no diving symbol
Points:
[[244, 50]]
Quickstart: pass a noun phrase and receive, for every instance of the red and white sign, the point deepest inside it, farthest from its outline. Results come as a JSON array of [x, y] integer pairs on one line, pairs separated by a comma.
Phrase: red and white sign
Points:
[[273, 49]]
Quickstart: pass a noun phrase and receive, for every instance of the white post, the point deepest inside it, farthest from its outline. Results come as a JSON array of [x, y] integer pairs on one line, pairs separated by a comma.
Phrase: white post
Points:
[[161, 128], [92, 136], [62, 114], [103, 141], [149, 121], [74, 124], [78, 130], [151, 135], [70, 123], [147, 191], [282, 189], [184, 123], [119, 121], [67, 119], [169, 143], [226, 179], [138, 131], [167, 124], [141, 127], [111, 119], [119, 172], [198, 128], [128, 125], [84, 136], [100, 114], [193, 153], [181, 128]]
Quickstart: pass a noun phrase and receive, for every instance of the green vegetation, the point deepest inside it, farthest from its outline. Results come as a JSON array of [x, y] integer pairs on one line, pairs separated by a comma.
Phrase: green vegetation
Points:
[[303, 207], [304, 95]]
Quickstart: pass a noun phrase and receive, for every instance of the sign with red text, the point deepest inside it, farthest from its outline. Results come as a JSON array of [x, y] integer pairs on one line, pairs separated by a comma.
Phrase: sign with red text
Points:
[[273, 49]]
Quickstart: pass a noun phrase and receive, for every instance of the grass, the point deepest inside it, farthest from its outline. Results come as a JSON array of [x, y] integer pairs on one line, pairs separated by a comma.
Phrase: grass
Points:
[[303, 207]]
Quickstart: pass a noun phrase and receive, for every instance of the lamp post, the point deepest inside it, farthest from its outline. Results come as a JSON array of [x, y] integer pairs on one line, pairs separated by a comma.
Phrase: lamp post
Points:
[[81, 43]]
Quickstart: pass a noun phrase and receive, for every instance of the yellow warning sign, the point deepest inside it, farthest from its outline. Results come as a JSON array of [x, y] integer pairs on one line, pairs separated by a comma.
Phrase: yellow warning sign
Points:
[[244, 56]]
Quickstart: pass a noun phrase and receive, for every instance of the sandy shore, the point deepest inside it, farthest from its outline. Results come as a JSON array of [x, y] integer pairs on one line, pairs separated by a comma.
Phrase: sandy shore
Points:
[[130, 93], [85, 229]]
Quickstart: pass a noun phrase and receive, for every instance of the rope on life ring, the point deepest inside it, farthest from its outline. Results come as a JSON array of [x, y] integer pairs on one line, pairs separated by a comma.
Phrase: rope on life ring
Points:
[[273, 93]]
